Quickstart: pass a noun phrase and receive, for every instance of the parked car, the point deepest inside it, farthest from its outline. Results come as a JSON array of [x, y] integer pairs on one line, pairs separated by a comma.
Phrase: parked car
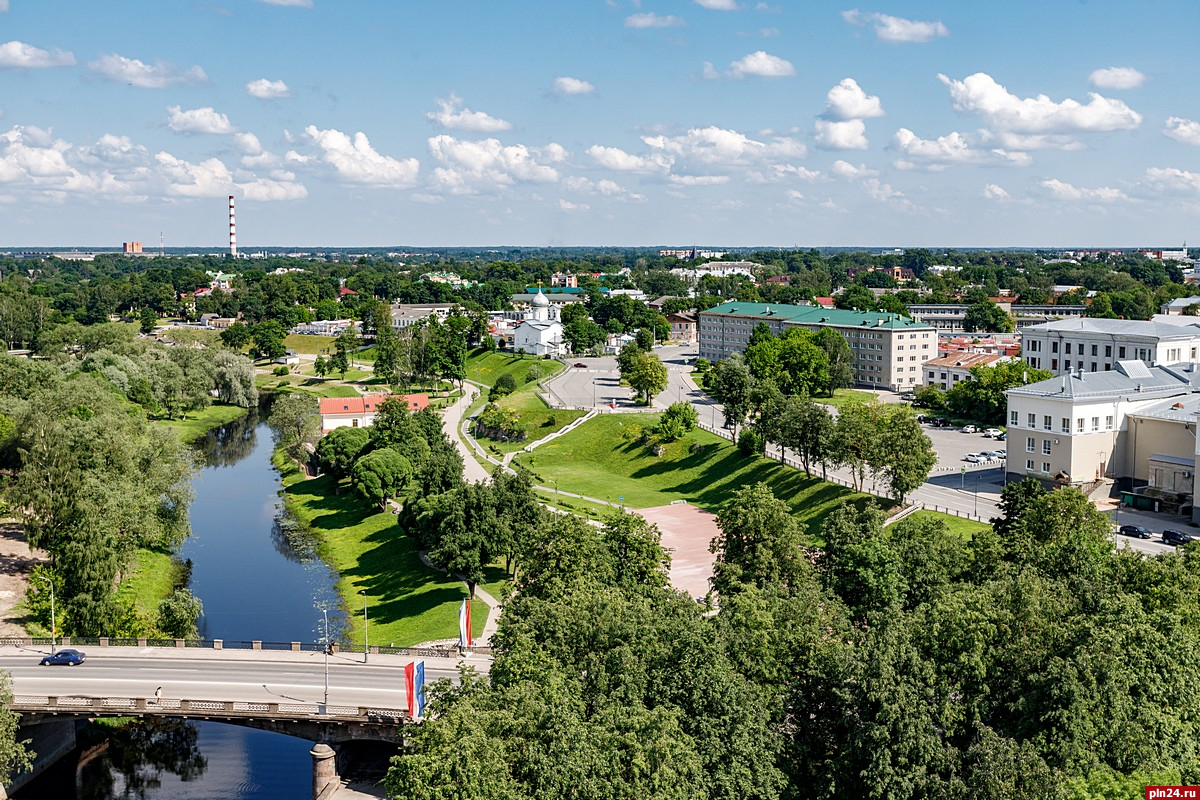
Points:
[[974, 458], [969, 429], [68, 656], [579, 364], [908, 397], [1177, 537], [1136, 531], [1001, 454], [990, 455], [991, 432], [1002, 437]]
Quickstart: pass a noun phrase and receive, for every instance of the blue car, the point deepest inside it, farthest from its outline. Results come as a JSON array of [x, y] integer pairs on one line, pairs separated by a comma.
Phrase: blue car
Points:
[[68, 657]]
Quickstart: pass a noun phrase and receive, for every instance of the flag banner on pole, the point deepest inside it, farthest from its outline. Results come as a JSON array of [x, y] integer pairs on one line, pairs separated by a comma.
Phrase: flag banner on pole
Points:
[[410, 675], [464, 623], [470, 636], [419, 683]]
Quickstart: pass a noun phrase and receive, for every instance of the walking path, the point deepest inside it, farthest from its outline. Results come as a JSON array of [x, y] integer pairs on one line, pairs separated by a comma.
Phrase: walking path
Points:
[[452, 421], [493, 618]]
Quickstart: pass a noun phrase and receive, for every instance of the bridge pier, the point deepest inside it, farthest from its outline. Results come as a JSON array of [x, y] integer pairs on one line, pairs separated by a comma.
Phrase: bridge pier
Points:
[[325, 779]]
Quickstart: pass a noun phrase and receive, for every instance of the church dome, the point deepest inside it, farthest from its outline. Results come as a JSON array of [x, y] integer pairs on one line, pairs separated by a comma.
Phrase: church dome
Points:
[[540, 300]]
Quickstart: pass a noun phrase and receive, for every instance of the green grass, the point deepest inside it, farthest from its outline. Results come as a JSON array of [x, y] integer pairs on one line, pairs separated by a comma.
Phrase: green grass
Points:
[[959, 526], [843, 396], [486, 366], [407, 601], [151, 578], [308, 344], [595, 460], [495, 584], [583, 508], [538, 418], [197, 423]]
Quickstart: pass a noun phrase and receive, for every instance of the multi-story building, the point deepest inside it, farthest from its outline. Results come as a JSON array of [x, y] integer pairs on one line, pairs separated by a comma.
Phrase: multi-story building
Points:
[[948, 317], [888, 349], [683, 326], [947, 371], [1096, 345]]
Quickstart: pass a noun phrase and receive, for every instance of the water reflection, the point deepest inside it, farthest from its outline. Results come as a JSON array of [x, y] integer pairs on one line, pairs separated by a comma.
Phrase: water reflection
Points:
[[292, 540], [232, 442], [135, 756]]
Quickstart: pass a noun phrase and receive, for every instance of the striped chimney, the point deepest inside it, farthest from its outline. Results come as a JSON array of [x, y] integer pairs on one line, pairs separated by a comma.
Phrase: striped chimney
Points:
[[232, 230]]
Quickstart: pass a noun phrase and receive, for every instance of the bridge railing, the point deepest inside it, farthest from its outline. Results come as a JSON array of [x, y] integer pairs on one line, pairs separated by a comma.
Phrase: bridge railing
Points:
[[136, 706], [231, 644]]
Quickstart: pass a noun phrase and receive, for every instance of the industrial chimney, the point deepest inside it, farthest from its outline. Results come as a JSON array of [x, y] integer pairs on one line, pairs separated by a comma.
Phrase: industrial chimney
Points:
[[232, 231]]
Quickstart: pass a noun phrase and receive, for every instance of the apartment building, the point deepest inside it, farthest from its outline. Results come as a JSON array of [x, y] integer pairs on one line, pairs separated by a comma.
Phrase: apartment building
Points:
[[1096, 345], [948, 317], [888, 349], [947, 371]]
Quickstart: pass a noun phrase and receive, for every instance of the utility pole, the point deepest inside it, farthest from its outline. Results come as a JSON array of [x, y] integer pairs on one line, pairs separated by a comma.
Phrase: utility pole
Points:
[[366, 630], [53, 623]]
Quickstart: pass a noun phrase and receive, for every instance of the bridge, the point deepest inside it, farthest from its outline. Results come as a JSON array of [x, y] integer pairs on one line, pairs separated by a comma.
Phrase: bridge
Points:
[[292, 688]]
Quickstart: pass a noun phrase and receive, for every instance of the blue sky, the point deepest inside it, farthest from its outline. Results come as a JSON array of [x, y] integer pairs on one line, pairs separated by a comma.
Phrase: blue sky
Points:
[[599, 122]]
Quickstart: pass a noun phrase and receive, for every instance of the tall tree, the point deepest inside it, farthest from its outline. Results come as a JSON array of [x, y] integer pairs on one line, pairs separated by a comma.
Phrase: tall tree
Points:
[[839, 359], [759, 543]]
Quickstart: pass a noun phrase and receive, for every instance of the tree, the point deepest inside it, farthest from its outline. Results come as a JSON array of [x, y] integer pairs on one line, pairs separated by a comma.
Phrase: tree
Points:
[[236, 336], [338, 450], [345, 344], [148, 320], [638, 558], [178, 613], [15, 757], [839, 359], [984, 315], [645, 339], [853, 442], [321, 366], [731, 384], [647, 377], [233, 377], [904, 454], [759, 543], [295, 421], [982, 397], [464, 540], [267, 338], [380, 475]]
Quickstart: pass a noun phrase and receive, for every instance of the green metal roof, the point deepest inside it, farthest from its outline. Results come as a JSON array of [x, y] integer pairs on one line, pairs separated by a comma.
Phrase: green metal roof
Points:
[[816, 315]]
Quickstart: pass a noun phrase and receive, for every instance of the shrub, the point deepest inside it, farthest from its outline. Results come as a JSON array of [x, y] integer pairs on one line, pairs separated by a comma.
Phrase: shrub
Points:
[[702, 365], [533, 375], [281, 370], [749, 442], [632, 432], [504, 386]]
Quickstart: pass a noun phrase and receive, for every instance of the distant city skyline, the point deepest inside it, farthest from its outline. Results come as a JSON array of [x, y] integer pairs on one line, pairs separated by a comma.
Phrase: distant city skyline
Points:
[[727, 123]]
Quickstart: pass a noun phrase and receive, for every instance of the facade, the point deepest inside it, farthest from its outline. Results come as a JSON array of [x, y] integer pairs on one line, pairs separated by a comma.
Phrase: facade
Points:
[[683, 327], [888, 349], [540, 333], [1178, 307], [1096, 345], [1122, 424], [359, 412], [947, 371], [948, 317], [406, 314], [1003, 344]]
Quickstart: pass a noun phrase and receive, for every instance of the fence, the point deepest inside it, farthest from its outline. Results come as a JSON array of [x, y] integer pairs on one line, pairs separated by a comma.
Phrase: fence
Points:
[[124, 706], [232, 644]]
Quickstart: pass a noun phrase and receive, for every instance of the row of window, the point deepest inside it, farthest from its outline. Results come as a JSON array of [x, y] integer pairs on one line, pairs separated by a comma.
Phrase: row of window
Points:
[[1029, 466], [1064, 423], [1139, 353]]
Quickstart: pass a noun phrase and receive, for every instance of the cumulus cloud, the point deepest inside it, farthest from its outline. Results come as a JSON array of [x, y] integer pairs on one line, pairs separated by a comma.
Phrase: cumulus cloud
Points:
[[568, 85], [953, 148], [761, 64], [883, 192], [454, 115], [995, 192], [209, 178], [604, 187], [110, 147], [1117, 78], [32, 158], [160, 75], [652, 20], [265, 89], [1173, 178], [850, 134], [198, 120], [896, 29], [713, 145], [980, 94], [847, 100], [844, 169], [618, 159], [1183, 130], [698, 180], [717, 5], [355, 161], [567, 205], [18, 55], [1066, 191], [470, 165]]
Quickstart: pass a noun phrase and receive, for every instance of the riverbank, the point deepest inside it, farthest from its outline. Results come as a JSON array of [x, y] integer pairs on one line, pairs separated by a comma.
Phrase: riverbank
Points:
[[375, 562]]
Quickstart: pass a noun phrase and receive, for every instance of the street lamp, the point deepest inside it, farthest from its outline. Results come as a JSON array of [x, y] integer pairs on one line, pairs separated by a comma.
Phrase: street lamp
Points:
[[53, 624], [325, 706], [555, 490], [366, 630], [976, 494]]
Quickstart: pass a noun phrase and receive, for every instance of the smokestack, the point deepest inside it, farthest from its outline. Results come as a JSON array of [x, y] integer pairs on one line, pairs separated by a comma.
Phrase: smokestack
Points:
[[232, 231]]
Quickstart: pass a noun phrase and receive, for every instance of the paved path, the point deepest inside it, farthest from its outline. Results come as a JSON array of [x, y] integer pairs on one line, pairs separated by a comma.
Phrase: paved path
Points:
[[452, 419]]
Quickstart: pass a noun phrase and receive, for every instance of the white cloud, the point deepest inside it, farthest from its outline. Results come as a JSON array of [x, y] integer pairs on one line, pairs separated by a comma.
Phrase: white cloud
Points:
[[850, 134], [265, 89], [995, 192], [953, 148], [296, 3], [980, 94], [1172, 178], [355, 161], [883, 192], [270, 189], [618, 159], [568, 85], [652, 20], [698, 180], [198, 120], [717, 5], [844, 169], [713, 145], [18, 55], [604, 187], [761, 64], [709, 72], [896, 29], [567, 205], [248, 143], [454, 115], [488, 163], [1183, 130], [209, 178], [847, 100], [110, 147], [137, 73], [787, 171], [3, 5], [1066, 191], [1117, 78]]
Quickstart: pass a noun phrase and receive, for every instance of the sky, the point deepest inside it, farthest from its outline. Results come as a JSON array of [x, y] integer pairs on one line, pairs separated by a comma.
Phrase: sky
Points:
[[1025, 123]]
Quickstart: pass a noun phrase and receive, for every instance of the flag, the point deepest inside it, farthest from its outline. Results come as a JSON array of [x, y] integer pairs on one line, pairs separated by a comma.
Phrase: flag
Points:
[[465, 639], [419, 685], [410, 686]]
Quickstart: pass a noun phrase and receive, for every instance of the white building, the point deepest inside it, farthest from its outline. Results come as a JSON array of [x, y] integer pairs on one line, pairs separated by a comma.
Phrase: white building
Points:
[[538, 333], [1096, 345]]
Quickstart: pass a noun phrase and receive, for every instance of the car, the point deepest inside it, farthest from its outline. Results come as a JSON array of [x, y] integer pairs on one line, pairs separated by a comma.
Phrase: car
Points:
[[67, 656], [969, 429], [991, 432], [1176, 537], [990, 455], [579, 365], [1002, 437], [974, 458], [908, 396], [1136, 531], [1001, 454]]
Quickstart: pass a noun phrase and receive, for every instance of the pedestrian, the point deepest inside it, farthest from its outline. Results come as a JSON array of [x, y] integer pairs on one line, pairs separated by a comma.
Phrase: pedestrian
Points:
[[158, 696]]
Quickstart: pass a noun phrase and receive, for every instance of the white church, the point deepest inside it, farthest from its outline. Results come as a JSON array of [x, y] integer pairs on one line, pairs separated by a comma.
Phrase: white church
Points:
[[540, 333]]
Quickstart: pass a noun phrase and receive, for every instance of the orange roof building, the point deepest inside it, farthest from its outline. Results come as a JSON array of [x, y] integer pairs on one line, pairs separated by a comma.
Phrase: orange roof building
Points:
[[360, 412]]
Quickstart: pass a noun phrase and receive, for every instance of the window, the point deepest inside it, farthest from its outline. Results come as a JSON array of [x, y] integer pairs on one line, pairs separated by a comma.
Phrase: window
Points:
[[1079, 425], [1066, 425], [1046, 423], [1108, 351], [1095, 424], [1032, 421], [1093, 369], [1012, 418], [1120, 352], [1029, 465], [1054, 363], [1108, 423], [1046, 467], [1068, 350], [1045, 447], [1029, 444], [1054, 347], [1173, 355]]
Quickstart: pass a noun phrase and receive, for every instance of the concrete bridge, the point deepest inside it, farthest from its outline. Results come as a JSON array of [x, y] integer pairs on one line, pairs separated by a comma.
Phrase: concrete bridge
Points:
[[334, 699]]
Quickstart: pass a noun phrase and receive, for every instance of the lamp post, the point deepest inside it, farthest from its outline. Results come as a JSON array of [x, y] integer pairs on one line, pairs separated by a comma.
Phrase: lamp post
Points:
[[976, 494], [593, 392], [366, 630], [325, 705], [555, 490], [53, 623]]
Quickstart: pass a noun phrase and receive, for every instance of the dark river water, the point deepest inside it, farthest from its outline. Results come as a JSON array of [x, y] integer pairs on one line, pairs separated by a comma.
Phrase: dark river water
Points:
[[256, 582]]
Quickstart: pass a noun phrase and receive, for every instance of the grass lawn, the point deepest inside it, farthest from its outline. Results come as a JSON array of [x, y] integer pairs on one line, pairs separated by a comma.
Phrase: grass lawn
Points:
[[485, 366], [407, 601], [151, 579], [538, 418], [843, 396], [596, 460], [960, 526], [308, 344], [197, 423], [573, 504]]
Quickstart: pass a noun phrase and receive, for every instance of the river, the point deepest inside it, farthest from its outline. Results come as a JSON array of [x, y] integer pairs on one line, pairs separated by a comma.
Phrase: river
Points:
[[256, 582]]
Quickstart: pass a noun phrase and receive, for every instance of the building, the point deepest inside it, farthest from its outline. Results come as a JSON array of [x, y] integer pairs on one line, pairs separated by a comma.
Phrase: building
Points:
[[406, 314], [540, 333], [558, 298], [888, 349], [947, 371], [1135, 424], [1179, 306], [564, 280], [325, 327], [360, 412], [949, 317], [693, 253], [1096, 345], [131, 247], [683, 327], [448, 278], [1003, 344]]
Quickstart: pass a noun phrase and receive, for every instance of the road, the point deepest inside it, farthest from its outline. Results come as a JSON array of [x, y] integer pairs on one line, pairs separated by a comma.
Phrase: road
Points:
[[597, 384]]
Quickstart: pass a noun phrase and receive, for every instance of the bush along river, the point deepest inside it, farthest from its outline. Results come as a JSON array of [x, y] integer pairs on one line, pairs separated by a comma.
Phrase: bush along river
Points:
[[259, 578]]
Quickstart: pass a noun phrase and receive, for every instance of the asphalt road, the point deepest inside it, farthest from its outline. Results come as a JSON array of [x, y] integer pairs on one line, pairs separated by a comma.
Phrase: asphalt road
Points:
[[598, 383]]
